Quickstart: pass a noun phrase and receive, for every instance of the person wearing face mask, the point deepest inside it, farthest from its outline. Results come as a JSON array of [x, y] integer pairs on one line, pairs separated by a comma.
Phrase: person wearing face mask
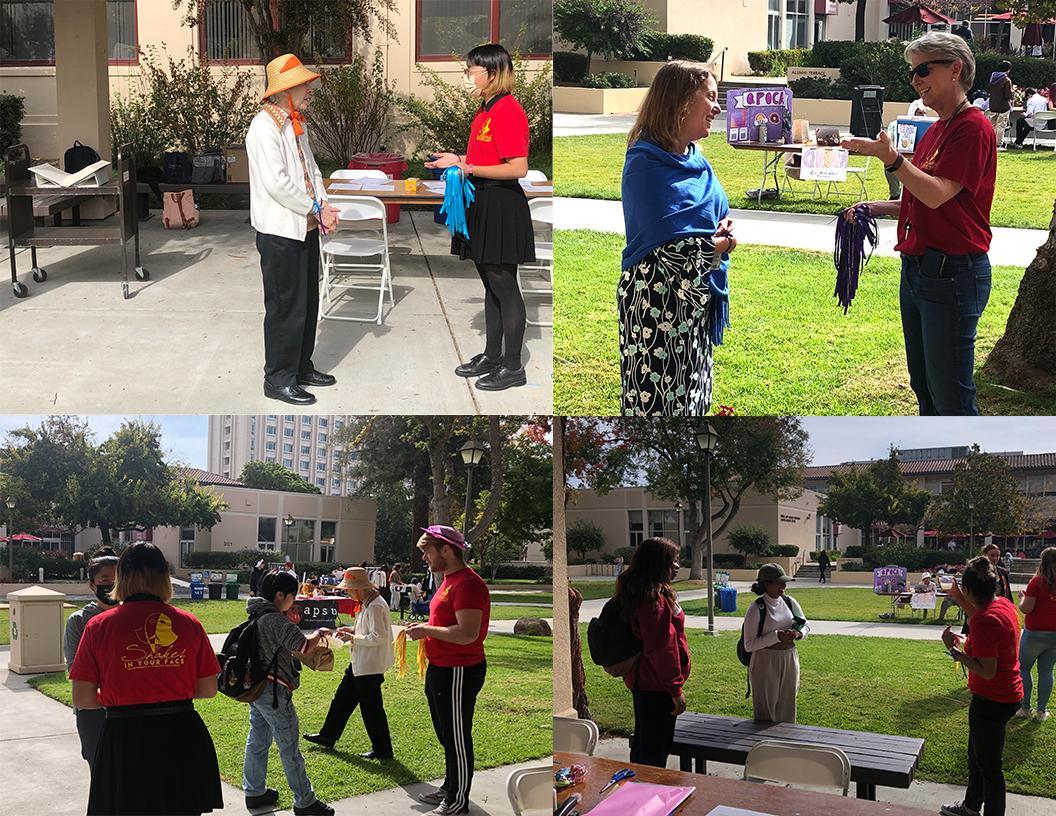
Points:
[[943, 225], [288, 209], [498, 221], [102, 571], [673, 295]]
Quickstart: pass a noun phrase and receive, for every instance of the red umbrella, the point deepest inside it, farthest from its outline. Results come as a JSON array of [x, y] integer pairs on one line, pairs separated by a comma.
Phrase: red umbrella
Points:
[[24, 537], [918, 15]]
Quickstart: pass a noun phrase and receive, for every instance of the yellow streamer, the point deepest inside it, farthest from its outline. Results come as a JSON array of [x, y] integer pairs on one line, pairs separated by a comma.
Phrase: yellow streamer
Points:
[[401, 656]]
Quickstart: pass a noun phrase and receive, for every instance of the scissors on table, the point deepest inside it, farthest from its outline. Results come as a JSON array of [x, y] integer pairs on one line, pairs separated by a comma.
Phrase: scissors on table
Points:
[[619, 776]]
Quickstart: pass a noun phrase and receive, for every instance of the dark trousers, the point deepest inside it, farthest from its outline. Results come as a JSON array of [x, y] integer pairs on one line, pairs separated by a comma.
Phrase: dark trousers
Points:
[[291, 305], [823, 571], [939, 321], [1023, 129], [504, 314], [452, 695], [90, 724], [364, 692], [654, 728], [987, 724]]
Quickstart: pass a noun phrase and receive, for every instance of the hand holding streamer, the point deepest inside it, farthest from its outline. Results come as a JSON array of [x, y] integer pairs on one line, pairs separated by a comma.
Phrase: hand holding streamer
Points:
[[849, 255]]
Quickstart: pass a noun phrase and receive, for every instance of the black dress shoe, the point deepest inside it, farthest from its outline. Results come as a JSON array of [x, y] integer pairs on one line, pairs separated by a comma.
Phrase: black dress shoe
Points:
[[478, 366], [372, 755], [502, 378], [293, 394], [318, 740], [317, 809], [318, 378], [269, 797]]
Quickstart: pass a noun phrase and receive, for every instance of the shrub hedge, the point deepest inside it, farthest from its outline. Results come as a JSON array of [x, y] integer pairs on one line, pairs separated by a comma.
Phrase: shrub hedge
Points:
[[659, 47], [570, 66], [12, 110], [784, 551], [834, 555], [57, 567], [811, 88], [775, 62], [608, 79], [728, 560], [1026, 71]]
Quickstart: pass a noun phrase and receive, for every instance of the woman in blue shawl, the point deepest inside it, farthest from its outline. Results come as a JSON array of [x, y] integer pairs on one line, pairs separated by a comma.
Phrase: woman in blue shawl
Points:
[[673, 295]]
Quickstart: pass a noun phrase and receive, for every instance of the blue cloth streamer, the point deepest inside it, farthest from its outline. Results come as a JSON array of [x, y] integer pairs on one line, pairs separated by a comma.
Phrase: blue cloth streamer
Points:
[[849, 255], [458, 195]]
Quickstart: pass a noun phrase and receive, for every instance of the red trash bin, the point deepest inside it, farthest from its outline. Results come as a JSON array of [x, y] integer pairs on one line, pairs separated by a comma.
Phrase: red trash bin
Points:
[[389, 163]]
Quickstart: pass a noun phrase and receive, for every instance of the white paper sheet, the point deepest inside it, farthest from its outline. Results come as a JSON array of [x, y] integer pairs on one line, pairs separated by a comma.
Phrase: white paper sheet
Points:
[[347, 185], [376, 184], [434, 186], [723, 810]]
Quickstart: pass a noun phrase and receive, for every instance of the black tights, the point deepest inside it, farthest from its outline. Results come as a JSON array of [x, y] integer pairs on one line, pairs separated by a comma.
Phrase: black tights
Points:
[[503, 313]]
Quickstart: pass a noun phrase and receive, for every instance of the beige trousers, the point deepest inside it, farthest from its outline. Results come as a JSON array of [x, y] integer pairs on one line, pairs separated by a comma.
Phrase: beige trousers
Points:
[[1000, 122], [775, 684]]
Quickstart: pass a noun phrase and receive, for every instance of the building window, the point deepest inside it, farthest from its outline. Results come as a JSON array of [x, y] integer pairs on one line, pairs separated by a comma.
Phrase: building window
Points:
[[306, 420], [227, 445], [287, 447], [796, 23], [186, 544], [339, 424], [823, 532], [27, 32], [305, 450], [321, 452], [322, 422], [335, 484], [320, 467], [306, 434], [773, 24], [227, 36], [321, 438], [820, 27], [269, 445], [269, 457], [287, 463], [446, 27], [288, 417], [304, 464], [287, 433], [270, 431], [663, 524], [266, 533], [634, 527], [320, 482], [328, 541]]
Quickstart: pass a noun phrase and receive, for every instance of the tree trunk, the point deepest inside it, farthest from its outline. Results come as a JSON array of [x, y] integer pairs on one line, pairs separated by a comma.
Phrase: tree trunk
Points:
[[1025, 357], [104, 532], [495, 496], [859, 21], [579, 676], [696, 568], [439, 437]]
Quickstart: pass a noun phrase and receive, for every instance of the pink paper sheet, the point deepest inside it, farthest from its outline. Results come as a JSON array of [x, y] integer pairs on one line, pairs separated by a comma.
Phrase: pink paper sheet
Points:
[[642, 799]]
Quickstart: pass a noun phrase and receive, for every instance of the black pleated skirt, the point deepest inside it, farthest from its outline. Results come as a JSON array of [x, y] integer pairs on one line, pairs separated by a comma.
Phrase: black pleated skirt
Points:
[[499, 224], [155, 763]]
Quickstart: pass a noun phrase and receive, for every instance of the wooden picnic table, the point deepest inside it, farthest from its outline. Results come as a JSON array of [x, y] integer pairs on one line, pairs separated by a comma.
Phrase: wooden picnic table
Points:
[[876, 759], [712, 791]]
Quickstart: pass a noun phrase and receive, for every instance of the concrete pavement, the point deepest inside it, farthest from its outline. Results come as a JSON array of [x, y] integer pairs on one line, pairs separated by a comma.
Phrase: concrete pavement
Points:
[[190, 340]]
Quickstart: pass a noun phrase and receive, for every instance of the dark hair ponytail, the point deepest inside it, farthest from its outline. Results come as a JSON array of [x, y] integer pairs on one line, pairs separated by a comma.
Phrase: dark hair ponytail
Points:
[[758, 588], [275, 582], [980, 579], [649, 575]]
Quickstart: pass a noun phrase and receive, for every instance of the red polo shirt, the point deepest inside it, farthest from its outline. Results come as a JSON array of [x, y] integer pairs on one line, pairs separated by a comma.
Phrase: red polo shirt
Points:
[[1043, 617], [460, 590], [499, 132], [144, 652], [961, 149], [995, 633]]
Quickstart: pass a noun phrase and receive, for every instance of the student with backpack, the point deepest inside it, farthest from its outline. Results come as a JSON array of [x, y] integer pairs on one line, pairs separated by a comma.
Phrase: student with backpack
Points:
[[772, 625], [647, 600], [272, 715]]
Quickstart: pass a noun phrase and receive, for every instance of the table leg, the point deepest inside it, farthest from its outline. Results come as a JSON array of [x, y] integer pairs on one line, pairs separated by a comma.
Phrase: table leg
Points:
[[77, 215], [700, 765], [762, 184], [685, 763], [866, 790]]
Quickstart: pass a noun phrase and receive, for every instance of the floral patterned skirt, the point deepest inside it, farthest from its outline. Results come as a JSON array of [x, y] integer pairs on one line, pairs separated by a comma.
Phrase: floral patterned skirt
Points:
[[665, 350]]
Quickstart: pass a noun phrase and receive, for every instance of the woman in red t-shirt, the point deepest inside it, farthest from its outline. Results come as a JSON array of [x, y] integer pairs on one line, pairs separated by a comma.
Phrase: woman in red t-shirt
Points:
[[943, 225], [1038, 644], [645, 593], [991, 656], [499, 221], [145, 662]]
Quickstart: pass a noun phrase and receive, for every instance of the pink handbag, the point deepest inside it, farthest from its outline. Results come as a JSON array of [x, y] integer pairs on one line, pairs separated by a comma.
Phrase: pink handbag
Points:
[[180, 212]]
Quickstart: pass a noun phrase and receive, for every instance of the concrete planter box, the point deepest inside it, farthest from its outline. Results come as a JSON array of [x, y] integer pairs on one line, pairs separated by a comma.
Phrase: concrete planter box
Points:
[[837, 111], [597, 100]]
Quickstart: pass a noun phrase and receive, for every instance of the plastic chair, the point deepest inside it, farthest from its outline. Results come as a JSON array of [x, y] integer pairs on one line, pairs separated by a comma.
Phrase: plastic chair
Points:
[[1041, 120], [542, 210], [793, 172], [859, 174], [343, 244], [531, 789], [575, 736], [796, 763]]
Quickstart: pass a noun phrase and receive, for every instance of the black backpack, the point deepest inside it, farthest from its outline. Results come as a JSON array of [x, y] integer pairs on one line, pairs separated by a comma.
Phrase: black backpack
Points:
[[242, 673], [176, 168], [612, 643], [78, 157], [744, 655], [209, 167]]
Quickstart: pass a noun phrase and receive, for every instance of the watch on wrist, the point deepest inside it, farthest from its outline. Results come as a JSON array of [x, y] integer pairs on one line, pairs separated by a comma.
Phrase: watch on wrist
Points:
[[893, 167]]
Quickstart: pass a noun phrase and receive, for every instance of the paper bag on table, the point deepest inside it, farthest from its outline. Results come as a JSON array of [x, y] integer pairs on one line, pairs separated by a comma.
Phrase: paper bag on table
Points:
[[318, 658]]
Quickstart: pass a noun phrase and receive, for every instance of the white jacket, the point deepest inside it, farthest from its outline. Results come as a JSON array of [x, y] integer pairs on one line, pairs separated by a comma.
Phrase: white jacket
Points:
[[372, 651], [778, 616], [279, 203]]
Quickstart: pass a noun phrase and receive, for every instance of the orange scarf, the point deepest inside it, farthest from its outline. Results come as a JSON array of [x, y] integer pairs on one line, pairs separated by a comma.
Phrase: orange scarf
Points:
[[297, 117]]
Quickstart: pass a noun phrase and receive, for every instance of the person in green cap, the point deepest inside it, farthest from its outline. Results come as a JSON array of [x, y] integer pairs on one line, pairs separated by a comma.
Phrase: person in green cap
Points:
[[772, 625]]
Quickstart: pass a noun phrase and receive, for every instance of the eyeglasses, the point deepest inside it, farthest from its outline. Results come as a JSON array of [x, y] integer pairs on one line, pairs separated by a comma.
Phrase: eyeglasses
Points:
[[923, 70], [475, 71]]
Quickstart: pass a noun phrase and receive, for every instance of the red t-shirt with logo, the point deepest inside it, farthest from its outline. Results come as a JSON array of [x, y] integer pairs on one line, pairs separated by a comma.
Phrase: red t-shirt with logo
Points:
[[144, 652], [995, 633], [460, 590], [499, 131], [1043, 618], [961, 149]]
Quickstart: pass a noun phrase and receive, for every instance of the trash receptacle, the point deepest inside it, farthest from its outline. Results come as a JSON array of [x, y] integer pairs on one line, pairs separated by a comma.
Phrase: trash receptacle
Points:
[[232, 586], [197, 591], [728, 599], [391, 164], [216, 591]]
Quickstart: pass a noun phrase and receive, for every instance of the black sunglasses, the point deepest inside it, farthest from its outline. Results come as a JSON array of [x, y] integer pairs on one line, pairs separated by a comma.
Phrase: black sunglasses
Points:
[[923, 70]]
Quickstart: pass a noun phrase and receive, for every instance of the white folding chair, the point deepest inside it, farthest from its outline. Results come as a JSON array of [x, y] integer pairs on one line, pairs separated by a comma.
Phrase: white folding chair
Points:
[[796, 763], [575, 736], [859, 174], [344, 244], [531, 790], [534, 176], [542, 210], [1041, 123], [357, 174]]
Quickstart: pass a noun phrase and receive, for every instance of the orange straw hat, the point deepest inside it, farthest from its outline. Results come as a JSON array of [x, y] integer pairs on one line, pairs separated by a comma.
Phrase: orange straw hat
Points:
[[355, 578], [287, 72]]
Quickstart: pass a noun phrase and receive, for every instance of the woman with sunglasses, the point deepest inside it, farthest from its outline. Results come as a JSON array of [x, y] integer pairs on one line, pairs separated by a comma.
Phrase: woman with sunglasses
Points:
[[943, 225], [499, 221]]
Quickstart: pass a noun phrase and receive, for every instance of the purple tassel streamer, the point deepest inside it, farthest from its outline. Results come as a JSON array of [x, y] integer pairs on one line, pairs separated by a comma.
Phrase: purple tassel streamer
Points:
[[849, 256]]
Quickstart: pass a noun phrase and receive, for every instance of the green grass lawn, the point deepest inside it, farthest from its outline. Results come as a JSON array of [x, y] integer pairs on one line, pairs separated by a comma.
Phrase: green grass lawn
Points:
[[512, 723], [5, 628], [591, 167], [880, 685], [523, 597], [790, 349], [595, 590]]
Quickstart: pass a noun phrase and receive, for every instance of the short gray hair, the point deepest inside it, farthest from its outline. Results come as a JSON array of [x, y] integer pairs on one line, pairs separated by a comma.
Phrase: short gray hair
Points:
[[946, 46]]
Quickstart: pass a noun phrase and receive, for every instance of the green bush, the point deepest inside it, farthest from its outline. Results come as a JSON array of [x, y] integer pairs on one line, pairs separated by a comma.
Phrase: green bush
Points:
[[910, 556], [528, 572], [751, 540], [833, 53], [774, 62], [12, 109], [784, 551], [880, 63], [659, 46], [854, 566], [585, 537], [811, 88], [833, 554], [57, 567], [728, 560], [570, 66], [626, 552], [608, 80], [1026, 71]]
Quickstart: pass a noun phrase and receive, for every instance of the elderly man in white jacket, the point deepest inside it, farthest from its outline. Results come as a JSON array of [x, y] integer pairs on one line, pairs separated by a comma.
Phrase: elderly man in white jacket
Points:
[[287, 209]]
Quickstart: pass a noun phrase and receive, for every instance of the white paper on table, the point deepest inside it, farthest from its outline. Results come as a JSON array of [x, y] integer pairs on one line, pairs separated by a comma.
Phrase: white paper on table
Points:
[[723, 810], [375, 184], [347, 185]]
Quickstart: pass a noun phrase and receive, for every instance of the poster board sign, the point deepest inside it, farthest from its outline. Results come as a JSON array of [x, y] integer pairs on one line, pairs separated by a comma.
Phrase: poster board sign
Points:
[[889, 580], [923, 600], [823, 164], [909, 130], [317, 612], [750, 109], [794, 72]]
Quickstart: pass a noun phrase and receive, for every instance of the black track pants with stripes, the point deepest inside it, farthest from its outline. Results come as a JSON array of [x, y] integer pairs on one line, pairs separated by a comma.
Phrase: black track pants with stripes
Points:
[[452, 695]]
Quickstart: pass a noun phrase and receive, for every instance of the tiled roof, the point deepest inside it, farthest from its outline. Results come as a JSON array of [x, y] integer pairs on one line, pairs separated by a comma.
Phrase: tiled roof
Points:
[[1028, 461], [206, 478]]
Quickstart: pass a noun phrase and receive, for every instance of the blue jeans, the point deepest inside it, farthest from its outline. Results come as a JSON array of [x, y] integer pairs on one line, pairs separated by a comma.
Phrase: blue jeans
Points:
[[265, 724], [1040, 648], [939, 320]]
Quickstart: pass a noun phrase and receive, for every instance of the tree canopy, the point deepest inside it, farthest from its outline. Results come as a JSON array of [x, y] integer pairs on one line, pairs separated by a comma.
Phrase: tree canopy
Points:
[[275, 476], [985, 496]]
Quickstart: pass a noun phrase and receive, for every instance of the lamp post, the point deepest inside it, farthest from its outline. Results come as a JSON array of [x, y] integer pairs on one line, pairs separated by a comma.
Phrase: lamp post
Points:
[[472, 454], [10, 538], [287, 522], [707, 441], [681, 533], [971, 528]]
